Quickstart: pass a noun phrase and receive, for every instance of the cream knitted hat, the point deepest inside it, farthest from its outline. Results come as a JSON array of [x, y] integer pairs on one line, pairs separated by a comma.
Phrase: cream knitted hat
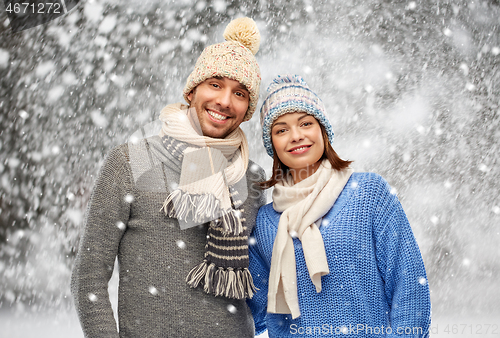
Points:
[[233, 59]]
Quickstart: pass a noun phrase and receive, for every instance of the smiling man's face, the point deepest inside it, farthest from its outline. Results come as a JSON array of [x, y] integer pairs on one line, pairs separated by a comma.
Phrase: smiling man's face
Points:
[[221, 105]]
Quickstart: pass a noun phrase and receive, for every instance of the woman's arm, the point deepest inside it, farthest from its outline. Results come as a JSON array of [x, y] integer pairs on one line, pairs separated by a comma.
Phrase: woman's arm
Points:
[[402, 268], [260, 274]]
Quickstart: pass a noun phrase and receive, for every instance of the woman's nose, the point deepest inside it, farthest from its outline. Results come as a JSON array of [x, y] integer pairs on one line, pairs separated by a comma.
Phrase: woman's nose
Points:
[[296, 134]]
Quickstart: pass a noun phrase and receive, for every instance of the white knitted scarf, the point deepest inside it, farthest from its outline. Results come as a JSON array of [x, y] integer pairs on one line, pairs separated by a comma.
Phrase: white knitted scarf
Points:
[[301, 205], [209, 168]]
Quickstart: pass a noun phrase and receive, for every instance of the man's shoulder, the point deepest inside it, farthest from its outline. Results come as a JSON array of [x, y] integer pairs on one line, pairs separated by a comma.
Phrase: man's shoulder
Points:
[[118, 153], [127, 149], [255, 173]]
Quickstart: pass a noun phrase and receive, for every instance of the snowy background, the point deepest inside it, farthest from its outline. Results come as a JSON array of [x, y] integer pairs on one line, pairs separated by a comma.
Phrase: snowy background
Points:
[[412, 89]]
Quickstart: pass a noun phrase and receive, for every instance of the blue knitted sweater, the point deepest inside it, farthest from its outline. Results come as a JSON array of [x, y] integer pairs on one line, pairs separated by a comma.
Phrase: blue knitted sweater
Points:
[[377, 285]]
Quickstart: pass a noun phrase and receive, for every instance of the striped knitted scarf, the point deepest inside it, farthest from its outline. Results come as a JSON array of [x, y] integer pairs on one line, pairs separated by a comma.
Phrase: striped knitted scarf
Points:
[[206, 192]]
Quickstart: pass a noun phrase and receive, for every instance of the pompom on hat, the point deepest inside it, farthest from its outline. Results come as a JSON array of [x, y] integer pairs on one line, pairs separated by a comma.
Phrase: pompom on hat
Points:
[[290, 94], [234, 59]]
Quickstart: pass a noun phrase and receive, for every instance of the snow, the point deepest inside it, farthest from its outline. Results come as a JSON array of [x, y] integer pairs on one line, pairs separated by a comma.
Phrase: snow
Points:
[[232, 309], [93, 11], [411, 89], [24, 115], [108, 24], [69, 78], [55, 94], [13, 162], [99, 119], [75, 216], [92, 297], [4, 58], [45, 68], [181, 244], [219, 5]]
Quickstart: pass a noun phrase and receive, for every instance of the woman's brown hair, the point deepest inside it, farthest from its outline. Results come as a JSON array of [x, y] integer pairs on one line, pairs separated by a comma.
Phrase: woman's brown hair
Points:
[[280, 170]]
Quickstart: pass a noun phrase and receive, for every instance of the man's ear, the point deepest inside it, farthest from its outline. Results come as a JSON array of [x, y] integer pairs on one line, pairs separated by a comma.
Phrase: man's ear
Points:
[[190, 95]]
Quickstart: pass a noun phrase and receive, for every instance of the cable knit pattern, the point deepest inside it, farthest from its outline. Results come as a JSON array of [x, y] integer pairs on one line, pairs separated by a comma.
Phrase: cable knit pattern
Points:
[[377, 277], [124, 220]]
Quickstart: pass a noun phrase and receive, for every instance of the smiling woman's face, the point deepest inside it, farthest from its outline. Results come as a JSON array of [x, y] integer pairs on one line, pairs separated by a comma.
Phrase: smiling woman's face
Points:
[[298, 143]]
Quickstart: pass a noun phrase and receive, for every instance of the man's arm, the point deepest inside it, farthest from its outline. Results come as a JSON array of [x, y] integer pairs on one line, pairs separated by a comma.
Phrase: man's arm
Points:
[[105, 223]]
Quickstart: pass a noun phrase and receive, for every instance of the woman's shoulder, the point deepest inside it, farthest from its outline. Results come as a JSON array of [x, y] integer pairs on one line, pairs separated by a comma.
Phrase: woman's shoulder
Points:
[[267, 218], [368, 181], [267, 210], [366, 177]]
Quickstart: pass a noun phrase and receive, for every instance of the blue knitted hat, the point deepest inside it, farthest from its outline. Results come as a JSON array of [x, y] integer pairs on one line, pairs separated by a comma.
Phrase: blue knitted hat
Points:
[[290, 94]]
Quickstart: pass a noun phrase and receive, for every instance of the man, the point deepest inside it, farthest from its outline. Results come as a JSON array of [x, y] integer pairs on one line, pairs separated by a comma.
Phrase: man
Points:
[[177, 210]]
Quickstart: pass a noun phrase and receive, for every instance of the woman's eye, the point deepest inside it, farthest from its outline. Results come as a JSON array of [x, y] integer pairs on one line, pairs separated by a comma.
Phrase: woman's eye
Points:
[[305, 124], [215, 85]]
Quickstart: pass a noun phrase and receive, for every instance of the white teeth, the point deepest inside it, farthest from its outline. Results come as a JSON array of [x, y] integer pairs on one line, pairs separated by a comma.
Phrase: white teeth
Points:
[[301, 148], [217, 116]]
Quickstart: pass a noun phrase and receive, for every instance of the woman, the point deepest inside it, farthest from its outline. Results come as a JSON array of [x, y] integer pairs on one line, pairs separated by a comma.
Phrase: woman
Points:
[[334, 253]]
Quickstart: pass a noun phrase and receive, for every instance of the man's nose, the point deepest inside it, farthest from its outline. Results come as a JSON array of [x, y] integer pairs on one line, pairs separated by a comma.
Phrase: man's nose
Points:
[[224, 98]]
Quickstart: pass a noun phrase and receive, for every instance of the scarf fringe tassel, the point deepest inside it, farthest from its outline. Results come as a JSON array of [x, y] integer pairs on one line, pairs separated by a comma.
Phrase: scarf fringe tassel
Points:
[[180, 205], [228, 282], [231, 223]]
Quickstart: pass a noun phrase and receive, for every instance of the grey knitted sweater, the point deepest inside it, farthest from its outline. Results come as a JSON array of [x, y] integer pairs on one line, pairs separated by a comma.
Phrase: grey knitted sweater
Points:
[[124, 220]]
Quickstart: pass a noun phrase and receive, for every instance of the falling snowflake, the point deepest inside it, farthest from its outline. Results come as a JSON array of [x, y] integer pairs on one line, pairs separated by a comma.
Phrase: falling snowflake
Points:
[[232, 309], [92, 297], [181, 244], [254, 168], [129, 198], [470, 87], [120, 225], [484, 168], [153, 290], [24, 115]]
